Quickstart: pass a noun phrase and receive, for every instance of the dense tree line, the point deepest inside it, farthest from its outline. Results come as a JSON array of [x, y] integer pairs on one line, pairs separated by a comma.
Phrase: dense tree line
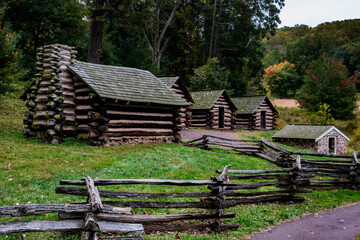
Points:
[[327, 63], [167, 37], [208, 43]]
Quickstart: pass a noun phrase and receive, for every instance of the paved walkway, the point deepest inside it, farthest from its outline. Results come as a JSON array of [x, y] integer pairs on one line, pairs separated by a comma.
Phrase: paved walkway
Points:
[[188, 134], [340, 224]]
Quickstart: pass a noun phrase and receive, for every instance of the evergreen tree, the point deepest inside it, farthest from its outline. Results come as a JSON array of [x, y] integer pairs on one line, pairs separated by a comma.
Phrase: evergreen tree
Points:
[[328, 81]]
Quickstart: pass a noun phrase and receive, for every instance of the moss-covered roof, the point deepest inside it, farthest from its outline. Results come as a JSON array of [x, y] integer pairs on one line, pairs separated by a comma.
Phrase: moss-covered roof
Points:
[[127, 84], [170, 81], [248, 105], [309, 132], [206, 99]]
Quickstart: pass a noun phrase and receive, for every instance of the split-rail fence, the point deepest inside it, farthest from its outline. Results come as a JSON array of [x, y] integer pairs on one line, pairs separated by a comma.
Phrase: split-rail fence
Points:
[[204, 206]]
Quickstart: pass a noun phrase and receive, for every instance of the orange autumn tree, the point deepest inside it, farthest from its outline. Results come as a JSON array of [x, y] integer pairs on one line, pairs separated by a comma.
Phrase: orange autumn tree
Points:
[[282, 79]]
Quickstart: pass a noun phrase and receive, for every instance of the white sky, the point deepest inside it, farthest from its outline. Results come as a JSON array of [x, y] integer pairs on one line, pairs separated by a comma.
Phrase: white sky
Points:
[[315, 12]]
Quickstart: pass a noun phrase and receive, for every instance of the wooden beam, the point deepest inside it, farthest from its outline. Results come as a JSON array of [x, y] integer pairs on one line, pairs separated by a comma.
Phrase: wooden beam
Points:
[[67, 226]]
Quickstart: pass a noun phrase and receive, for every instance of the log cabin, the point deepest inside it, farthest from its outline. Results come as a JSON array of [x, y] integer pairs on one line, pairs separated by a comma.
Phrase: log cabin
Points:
[[322, 139], [212, 110], [178, 86], [104, 105], [255, 113]]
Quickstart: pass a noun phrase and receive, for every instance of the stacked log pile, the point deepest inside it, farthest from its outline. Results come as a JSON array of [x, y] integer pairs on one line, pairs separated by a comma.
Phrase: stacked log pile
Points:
[[50, 98]]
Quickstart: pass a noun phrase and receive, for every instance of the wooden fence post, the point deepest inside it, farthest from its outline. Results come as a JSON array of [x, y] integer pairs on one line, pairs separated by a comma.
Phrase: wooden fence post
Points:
[[94, 199], [295, 174], [354, 171], [220, 196], [205, 142]]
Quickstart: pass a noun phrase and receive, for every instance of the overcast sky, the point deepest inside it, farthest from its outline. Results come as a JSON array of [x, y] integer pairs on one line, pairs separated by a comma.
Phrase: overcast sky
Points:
[[314, 12]]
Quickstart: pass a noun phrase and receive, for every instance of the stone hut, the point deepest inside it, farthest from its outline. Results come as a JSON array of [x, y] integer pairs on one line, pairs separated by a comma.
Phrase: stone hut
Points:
[[105, 105], [322, 139], [255, 113], [178, 86], [212, 109]]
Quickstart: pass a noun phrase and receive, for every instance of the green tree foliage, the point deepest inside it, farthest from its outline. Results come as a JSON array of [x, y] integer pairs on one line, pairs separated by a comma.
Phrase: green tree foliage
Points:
[[10, 70], [302, 45], [327, 81], [324, 114], [210, 76], [40, 22], [282, 79]]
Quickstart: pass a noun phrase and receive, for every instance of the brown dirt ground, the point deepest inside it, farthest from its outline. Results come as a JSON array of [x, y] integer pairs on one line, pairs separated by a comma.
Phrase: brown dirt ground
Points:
[[294, 103], [285, 103]]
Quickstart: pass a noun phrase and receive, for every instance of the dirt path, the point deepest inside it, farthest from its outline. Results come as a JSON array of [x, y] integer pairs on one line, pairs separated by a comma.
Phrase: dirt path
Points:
[[188, 134], [342, 223]]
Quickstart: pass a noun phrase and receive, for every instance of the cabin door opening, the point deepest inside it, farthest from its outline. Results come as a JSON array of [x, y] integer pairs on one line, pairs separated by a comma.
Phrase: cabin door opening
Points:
[[263, 119], [332, 147], [221, 117]]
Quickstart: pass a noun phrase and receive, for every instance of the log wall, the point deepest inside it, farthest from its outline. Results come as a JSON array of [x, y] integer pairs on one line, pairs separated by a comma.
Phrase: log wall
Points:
[[210, 118], [139, 124], [253, 122], [50, 98], [200, 118], [228, 114], [185, 112]]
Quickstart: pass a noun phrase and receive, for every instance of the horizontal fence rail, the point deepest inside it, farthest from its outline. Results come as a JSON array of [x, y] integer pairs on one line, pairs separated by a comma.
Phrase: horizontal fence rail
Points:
[[324, 169]]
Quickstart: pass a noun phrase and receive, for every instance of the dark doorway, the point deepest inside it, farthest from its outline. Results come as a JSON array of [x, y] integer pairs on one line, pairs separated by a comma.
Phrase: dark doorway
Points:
[[331, 145], [221, 117], [263, 119]]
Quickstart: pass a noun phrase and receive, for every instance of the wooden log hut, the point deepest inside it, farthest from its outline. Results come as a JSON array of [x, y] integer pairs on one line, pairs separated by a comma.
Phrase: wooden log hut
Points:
[[212, 110], [255, 113], [178, 86], [105, 105], [322, 139]]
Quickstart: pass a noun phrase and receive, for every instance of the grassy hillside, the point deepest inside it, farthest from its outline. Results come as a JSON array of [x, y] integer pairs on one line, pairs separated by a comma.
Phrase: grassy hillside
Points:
[[30, 170]]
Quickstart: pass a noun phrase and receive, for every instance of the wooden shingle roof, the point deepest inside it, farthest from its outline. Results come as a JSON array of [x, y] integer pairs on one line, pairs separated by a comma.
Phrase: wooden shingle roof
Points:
[[127, 84], [309, 132], [206, 99], [170, 81], [248, 105]]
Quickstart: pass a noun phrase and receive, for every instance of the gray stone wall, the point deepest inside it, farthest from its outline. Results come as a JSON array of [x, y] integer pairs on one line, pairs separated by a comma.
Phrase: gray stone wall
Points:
[[322, 145]]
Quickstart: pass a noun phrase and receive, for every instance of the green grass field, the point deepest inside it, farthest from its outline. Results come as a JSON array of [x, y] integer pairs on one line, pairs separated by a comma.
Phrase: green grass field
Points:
[[30, 170]]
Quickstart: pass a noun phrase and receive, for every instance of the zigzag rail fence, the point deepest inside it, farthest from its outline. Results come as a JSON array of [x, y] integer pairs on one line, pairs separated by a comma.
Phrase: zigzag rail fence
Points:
[[233, 187], [204, 209], [322, 170]]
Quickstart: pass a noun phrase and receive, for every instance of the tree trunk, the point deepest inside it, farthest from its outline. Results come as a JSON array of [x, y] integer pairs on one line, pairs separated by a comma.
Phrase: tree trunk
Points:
[[157, 35], [212, 30], [96, 27], [214, 51]]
